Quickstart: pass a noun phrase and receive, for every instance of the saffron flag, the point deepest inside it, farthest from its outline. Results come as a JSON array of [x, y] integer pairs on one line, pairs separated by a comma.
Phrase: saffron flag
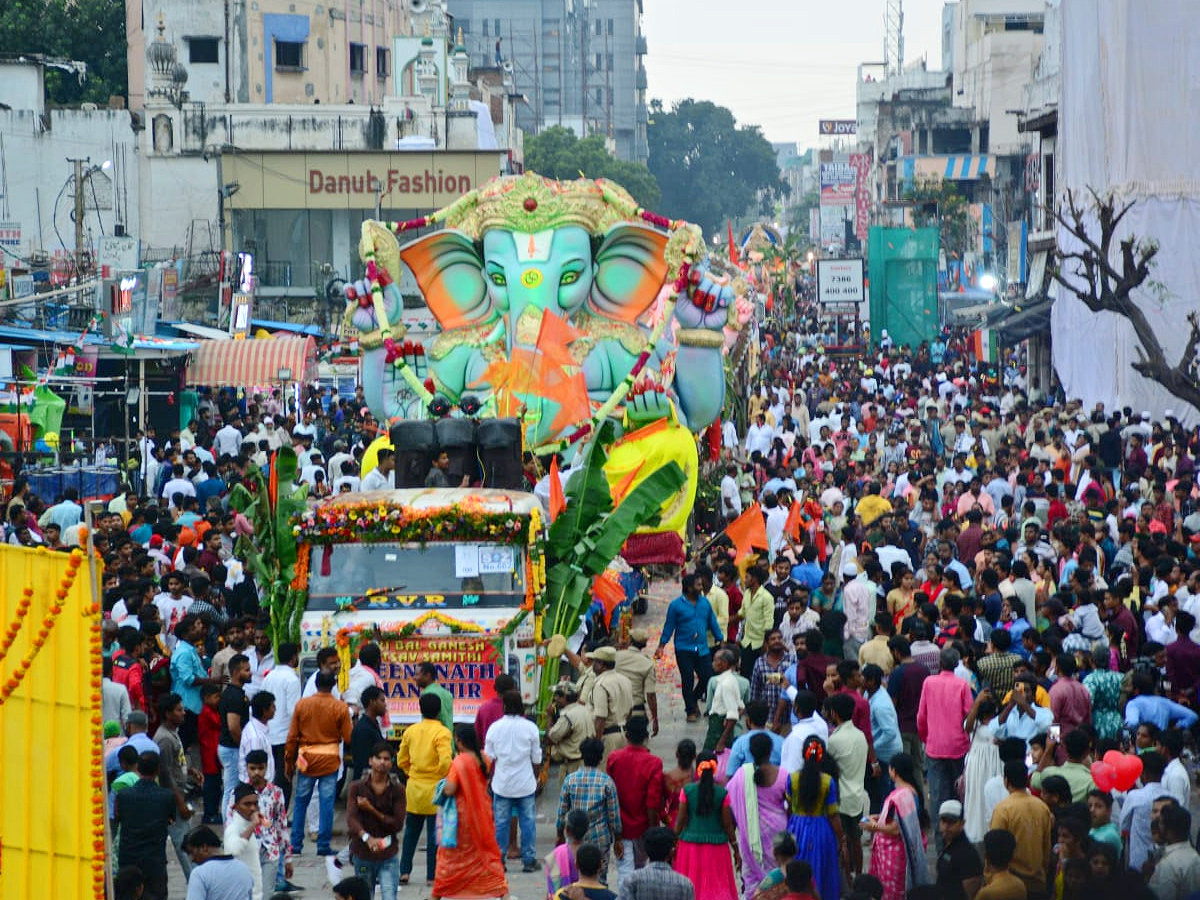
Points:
[[558, 502], [792, 526], [747, 531], [734, 257]]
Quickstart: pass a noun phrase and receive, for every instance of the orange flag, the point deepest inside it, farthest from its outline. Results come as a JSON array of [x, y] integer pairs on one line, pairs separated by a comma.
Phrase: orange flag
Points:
[[734, 256], [606, 587], [748, 531], [555, 335], [557, 501], [792, 526], [626, 484]]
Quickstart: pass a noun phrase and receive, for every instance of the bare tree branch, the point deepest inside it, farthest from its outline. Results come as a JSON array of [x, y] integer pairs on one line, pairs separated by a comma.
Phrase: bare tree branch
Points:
[[1106, 277]]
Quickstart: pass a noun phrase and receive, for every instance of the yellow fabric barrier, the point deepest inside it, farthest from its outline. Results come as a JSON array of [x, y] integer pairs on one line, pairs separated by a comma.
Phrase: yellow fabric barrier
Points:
[[51, 768]]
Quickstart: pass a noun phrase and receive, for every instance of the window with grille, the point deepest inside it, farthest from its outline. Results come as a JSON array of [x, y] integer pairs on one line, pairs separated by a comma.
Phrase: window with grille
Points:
[[289, 55]]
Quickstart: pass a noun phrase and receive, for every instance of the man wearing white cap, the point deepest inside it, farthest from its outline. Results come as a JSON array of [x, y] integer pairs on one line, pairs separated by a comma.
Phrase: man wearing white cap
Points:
[[959, 868]]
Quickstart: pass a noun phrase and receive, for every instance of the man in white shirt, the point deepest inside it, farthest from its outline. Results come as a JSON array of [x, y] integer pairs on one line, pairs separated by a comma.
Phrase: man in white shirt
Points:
[[726, 707], [179, 483], [1175, 777], [228, 440], [262, 660], [256, 735], [172, 603], [338, 460], [283, 682], [515, 745], [731, 498], [759, 436], [308, 474], [808, 723], [729, 435], [347, 483], [380, 478]]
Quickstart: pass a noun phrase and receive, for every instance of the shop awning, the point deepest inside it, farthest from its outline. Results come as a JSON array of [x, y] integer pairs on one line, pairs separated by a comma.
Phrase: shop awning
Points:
[[247, 363], [1025, 321], [201, 331]]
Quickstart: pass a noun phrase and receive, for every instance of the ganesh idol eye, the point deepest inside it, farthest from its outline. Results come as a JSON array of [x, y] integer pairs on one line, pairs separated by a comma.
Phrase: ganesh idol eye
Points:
[[569, 278], [498, 279]]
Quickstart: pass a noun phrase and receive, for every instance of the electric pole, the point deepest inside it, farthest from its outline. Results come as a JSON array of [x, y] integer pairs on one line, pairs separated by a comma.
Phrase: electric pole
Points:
[[79, 217]]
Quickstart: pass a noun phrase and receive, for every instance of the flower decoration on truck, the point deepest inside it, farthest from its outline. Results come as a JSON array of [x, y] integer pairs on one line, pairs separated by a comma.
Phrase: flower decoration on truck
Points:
[[375, 522]]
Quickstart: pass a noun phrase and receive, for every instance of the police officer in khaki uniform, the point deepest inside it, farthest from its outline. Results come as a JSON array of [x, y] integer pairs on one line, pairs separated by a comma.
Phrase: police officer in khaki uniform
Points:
[[639, 669], [572, 724], [612, 699]]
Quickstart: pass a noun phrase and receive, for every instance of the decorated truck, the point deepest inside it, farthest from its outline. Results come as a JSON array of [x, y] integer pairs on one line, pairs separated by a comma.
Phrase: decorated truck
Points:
[[451, 576]]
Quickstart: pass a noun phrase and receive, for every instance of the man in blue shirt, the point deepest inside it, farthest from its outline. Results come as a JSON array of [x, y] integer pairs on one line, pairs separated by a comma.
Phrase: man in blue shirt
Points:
[[808, 572], [757, 714], [690, 619], [1146, 706], [189, 674]]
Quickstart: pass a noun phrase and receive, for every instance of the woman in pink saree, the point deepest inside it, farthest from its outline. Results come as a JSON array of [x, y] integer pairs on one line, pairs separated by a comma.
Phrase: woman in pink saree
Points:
[[898, 851]]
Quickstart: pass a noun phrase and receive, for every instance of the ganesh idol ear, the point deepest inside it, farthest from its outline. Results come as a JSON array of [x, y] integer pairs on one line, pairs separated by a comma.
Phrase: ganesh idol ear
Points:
[[630, 271], [449, 270]]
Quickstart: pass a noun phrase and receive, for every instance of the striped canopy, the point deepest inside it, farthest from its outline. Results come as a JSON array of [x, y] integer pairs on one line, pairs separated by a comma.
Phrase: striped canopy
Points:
[[253, 362]]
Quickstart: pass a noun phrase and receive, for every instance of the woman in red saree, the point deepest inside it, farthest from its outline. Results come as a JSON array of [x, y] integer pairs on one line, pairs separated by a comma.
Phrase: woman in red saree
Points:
[[472, 870]]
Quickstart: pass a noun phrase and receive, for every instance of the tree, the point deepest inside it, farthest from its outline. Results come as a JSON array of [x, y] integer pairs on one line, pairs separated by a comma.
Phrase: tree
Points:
[[938, 204], [89, 31], [1103, 277], [558, 153], [709, 168]]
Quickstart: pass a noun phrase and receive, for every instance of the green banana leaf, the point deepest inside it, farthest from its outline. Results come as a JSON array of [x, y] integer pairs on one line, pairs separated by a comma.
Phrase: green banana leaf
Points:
[[287, 467], [241, 500], [588, 497], [640, 507]]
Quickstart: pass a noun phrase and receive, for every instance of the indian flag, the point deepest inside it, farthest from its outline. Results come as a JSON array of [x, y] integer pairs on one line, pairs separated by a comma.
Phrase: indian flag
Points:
[[986, 344]]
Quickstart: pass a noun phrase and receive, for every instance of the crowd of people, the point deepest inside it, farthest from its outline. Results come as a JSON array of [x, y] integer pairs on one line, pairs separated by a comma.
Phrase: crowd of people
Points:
[[974, 600], [971, 595]]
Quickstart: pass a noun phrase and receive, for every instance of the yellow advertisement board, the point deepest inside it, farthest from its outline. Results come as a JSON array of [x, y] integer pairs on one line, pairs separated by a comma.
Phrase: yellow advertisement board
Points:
[[51, 767]]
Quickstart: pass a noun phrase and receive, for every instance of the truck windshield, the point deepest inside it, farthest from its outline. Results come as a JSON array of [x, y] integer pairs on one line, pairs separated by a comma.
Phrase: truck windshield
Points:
[[412, 576]]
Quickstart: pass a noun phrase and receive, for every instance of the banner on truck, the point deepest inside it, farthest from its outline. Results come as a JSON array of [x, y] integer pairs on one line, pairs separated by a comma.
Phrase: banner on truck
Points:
[[466, 666]]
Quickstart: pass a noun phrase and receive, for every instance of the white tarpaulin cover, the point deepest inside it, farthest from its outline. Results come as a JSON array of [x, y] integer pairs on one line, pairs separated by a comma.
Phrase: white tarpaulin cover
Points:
[[1127, 124]]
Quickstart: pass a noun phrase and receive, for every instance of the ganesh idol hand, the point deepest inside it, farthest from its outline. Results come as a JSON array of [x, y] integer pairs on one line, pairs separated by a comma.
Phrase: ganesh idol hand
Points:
[[706, 300]]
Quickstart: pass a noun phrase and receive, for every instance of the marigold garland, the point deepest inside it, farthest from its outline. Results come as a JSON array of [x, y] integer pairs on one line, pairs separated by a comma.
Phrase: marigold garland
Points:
[[14, 628], [303, 560], [43, 633]]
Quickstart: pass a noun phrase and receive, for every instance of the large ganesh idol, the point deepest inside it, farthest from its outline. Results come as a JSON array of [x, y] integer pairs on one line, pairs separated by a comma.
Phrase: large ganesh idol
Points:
[[558, 302]]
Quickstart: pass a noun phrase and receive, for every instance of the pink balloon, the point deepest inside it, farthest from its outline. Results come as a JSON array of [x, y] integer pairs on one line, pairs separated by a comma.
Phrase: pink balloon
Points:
[[1112, 757], [1129, 769], [1104, 775]]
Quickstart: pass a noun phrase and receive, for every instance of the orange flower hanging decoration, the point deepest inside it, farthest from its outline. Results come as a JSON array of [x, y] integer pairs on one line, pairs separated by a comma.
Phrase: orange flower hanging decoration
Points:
[[43, 633]]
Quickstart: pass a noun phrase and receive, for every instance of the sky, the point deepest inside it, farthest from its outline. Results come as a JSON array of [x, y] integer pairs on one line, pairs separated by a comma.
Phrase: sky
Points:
[[780, 64]]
